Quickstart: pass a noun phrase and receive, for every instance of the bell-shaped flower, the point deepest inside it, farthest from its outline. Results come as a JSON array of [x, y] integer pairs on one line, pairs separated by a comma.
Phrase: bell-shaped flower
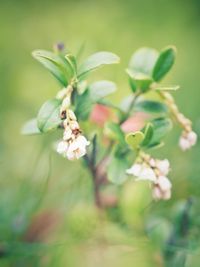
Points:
[[142, 172], [77, 148], [163, 166], [62, 148], [162, 188], [187, 140]]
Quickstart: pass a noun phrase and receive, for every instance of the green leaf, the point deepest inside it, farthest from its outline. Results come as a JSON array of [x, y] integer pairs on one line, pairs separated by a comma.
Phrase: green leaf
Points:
[[101, 89], [30, 128], [97, 60], [150, 106], [132, 84], [139, 80], [134, 139], [155, 145], [143, 60], [161, 127], [56, 64], [117, 170], [48, 117], [167, 88], [164, 63], [114, 131], [83, 105], [148, 134], [72, 62]]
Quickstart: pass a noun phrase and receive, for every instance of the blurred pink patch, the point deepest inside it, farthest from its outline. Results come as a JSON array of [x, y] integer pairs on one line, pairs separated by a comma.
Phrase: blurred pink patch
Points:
[[100, 114], [135, 123]]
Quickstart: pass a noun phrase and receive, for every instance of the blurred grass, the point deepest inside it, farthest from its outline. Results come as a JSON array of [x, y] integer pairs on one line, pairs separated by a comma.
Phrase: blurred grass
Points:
[[118, 26]]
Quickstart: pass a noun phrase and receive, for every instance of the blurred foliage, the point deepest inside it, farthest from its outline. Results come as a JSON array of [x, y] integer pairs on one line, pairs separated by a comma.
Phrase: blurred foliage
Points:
[[46, 198]]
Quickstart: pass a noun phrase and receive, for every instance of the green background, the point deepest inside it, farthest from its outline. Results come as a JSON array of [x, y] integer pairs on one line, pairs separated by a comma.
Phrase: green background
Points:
[[35, 180]]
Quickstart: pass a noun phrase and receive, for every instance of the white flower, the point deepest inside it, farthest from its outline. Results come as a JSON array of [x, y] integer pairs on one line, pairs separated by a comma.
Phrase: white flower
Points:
[[67, 133], [61, 94], [62, 147], [162, 188], [142, 172], [163, 166], [192, 137], [164, 183], [66, 103], [77, 148], [187, 140], [74, 125], [135, 169], [71, 115]]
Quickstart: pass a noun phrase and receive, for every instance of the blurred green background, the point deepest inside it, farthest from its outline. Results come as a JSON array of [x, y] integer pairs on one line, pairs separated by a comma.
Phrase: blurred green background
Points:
[[41, 194]]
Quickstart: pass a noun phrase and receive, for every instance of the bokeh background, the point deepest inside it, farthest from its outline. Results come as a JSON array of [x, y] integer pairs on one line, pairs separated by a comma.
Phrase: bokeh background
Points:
[[47, 217]]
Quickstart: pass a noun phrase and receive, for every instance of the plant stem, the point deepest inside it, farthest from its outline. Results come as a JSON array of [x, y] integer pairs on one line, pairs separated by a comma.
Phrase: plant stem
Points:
[[95, 180], [91, 161]]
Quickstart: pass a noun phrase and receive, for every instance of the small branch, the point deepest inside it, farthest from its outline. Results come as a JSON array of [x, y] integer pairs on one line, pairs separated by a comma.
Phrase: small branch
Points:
[[130, 107], [96, 184]]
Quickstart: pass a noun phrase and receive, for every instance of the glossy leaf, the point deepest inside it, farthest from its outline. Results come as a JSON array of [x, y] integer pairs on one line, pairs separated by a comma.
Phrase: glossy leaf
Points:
[[143, 60], [30, 128], [114, 131], [161, 127], [101, 89], [117, 170], [139, 80], [97, 60], [150, 106], [49, 115], [164, 63], [148, 134], [83, 105], [56, 64], [134, 139], [72, 62]]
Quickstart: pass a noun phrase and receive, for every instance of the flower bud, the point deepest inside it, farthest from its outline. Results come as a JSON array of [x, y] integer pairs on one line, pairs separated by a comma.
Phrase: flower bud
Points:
[[71, 115], [61, 94]]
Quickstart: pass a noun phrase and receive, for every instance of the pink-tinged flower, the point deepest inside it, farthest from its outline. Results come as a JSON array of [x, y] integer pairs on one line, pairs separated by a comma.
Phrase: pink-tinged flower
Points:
[[187, 140], [77, 148], [142, 172], [162, 188], [100, 114], [163, 166], [135, 122]]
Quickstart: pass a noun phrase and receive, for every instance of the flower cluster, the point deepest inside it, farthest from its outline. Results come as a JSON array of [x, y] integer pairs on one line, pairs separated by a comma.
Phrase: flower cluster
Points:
[[188, 137], [73, 146], [155, 171], [187, 140]]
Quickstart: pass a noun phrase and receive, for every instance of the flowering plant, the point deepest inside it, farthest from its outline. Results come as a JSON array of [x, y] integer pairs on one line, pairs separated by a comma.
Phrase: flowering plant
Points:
[[114, 141]]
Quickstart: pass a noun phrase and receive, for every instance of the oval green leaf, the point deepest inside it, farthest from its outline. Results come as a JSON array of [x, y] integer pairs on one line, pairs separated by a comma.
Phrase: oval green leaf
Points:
[[143, 60], [117, 170], [134, 139], [48, 117], [150, 106], [161, 127], [83, 104], [164, 63], [101, 89], [30, 128], [139, 80], [148, 134], [97, 60], [56, 64]]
